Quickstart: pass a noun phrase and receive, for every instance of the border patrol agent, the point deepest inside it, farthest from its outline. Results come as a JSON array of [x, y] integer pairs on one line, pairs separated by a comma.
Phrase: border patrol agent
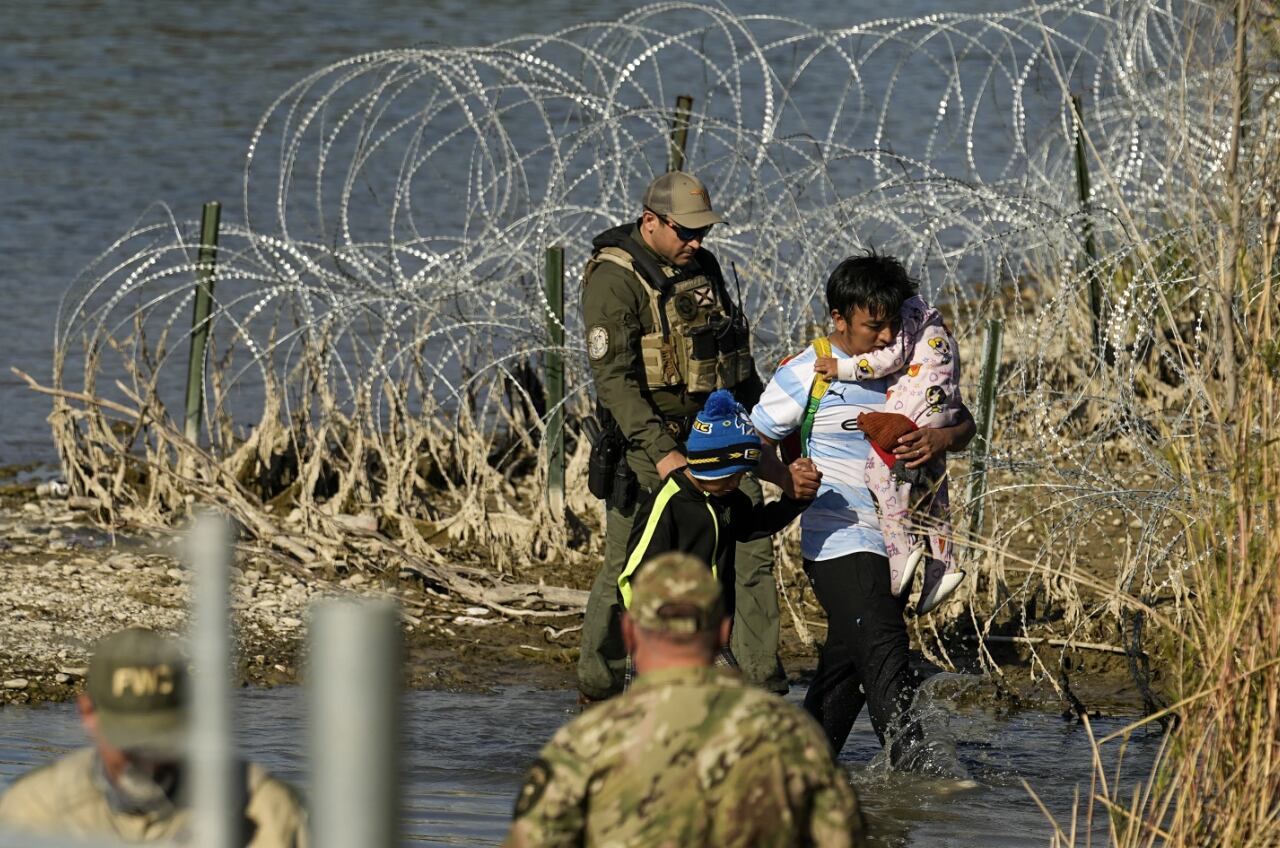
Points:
[[690, 755], [662, 333], [129, 785]]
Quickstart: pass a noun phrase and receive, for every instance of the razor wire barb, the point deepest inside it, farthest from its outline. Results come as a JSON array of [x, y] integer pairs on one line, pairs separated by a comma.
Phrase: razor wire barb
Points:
[[379, 320]]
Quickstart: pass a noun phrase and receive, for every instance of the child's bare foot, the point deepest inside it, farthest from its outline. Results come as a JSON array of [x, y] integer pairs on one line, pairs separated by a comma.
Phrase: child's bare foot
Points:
[[827, 367]]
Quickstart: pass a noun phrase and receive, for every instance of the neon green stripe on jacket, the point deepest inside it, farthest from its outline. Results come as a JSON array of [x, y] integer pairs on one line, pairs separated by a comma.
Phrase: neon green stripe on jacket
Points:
[[638, 556]]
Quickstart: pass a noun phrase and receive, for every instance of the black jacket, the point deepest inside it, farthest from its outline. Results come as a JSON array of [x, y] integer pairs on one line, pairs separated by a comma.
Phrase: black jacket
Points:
[[681, 517]]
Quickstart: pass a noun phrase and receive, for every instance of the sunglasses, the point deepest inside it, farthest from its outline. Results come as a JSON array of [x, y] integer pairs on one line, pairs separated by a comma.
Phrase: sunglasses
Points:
[[685, 233]]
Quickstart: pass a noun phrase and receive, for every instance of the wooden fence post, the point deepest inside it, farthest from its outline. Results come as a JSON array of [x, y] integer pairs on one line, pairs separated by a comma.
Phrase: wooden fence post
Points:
[[207, 262]]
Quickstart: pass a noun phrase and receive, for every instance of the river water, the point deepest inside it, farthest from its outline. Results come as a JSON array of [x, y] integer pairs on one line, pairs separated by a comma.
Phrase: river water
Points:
[[109, 107], [466, 754]]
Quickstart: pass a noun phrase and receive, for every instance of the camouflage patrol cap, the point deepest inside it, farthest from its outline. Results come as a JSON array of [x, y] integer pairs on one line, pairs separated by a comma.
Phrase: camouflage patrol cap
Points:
[[137, 681], [682, 198], [676, 593]]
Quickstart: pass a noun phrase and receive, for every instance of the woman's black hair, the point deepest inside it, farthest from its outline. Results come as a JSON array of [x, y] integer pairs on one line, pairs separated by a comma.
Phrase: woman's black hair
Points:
[[871, 281]]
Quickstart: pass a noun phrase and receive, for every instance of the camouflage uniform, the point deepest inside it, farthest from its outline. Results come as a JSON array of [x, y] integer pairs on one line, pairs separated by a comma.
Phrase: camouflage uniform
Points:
[[689, 756], [628, 376]]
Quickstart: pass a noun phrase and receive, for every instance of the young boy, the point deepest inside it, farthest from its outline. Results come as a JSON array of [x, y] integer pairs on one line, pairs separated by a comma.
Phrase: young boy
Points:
[[924, 364], [698, 509]]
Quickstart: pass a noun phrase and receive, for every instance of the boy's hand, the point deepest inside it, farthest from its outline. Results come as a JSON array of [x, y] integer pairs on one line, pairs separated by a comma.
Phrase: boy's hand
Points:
[[805, 478], [827, 367]]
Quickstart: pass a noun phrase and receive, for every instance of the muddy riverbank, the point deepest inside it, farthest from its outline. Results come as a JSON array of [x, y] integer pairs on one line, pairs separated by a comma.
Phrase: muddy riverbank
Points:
[[65, 582]]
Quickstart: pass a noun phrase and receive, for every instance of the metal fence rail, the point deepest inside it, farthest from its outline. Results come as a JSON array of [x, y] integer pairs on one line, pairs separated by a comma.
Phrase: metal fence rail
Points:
[[354, 682]]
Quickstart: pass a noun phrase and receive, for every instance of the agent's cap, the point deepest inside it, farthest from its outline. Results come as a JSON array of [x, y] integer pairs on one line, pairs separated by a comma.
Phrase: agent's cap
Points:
[[676, 593], [682, 198], [137, 681], [722, 440]]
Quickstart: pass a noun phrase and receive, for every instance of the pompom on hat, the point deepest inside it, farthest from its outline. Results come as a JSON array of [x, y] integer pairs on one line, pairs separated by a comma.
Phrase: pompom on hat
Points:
[[722, 441]]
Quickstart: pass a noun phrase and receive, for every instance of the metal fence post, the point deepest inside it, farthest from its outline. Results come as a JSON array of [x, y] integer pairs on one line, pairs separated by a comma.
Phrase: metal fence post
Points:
[[1090, 243], [679, 133], [207, 261], [355, 733], [213, 781], [554, 361], [986, 424]]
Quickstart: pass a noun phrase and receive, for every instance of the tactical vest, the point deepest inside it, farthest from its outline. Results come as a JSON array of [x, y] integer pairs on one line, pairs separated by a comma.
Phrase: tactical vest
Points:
[[700, 340]]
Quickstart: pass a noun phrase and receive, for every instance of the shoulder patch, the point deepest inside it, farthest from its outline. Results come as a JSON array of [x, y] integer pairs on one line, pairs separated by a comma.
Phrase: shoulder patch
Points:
[[597, 342], [534, 786]]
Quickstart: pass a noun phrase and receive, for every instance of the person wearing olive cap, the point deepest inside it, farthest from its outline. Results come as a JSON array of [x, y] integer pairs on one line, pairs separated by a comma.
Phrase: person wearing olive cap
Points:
[[662, 333], [690, 755], [130, 784]]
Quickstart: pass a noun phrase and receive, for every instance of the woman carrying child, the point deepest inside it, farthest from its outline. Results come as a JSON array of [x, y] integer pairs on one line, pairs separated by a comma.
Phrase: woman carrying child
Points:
[[922, 364]]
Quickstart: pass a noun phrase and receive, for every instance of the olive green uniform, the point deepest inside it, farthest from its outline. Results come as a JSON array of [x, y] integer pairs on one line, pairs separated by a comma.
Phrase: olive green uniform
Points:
[[644, 382], [688, 757], [66, 798]]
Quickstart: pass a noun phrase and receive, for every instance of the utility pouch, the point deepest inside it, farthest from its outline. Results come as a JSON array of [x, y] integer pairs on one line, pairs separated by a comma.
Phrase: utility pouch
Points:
[[656, 355], [702, 354], [606, 453], [726, 355], [733, 339], [625, 488], [742, 342]]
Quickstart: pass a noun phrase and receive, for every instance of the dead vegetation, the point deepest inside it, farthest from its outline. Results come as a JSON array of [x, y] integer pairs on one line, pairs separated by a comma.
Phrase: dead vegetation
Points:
[[372, 390]]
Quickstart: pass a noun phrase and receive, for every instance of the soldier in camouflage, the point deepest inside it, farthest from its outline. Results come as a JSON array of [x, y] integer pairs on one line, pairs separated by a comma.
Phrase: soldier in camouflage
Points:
[[690, 755], [663, 333]]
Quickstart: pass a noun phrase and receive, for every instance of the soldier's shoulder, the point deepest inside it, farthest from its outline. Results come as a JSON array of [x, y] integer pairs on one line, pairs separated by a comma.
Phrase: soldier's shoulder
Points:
[[756, 711], [51, 790], [599, 719], [274, 806], [604, 273]]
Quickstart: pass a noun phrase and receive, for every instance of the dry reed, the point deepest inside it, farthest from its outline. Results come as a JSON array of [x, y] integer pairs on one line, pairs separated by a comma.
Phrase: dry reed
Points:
[[373, 398]]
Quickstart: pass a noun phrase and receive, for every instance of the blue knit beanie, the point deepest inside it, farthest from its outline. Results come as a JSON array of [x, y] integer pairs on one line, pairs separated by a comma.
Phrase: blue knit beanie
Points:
[[722, 441]]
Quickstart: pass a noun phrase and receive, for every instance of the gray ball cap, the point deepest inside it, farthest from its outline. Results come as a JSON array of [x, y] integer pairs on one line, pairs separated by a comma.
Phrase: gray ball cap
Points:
[[683, 198], [137, 681]]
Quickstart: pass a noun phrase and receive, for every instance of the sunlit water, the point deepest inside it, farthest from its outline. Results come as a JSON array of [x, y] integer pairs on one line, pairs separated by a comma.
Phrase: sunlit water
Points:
[[466, 753], [108, 107]]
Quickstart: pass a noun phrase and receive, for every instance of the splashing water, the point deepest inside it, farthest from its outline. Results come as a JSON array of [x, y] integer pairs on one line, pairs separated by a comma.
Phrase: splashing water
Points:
[[379, 318]]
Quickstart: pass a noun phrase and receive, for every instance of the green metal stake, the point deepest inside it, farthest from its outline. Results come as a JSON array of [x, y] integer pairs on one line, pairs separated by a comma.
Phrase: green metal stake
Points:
[[208, 258], [986, 424], [679, 133], [1090, 244], [554, 361]]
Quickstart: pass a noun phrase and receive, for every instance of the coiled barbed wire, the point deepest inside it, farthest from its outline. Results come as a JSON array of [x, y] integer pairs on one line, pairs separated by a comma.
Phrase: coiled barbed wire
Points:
[[381, 295]]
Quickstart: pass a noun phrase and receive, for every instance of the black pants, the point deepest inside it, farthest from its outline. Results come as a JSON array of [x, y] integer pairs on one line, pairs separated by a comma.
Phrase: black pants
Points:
[[864, 660]]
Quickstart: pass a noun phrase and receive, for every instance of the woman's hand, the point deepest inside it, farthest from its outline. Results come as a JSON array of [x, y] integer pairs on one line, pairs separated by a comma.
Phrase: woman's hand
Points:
[[920, 446], [805, 479]]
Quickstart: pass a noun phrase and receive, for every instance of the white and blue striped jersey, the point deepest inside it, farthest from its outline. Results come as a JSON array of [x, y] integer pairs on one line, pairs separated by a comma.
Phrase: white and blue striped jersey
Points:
[[842, 519]]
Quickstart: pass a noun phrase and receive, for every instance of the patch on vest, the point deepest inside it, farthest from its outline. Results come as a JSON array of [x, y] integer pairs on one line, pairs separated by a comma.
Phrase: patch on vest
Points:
[[597, 342], [534, 787], [687, 306]]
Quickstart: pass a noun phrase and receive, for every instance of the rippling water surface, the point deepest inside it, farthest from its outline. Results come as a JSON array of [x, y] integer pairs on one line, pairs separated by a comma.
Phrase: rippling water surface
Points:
[[108, 107], [466, 754]]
